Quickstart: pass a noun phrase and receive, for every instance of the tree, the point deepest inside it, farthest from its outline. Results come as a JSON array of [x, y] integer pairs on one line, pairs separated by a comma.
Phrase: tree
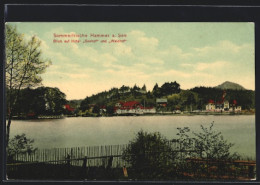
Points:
[[110, 110], [156, 91], [170, 88], [144, 87], [149, 155], [84, 105], [24, 64], [96, 109], [188, 98], [55, 99], [208, 143], [20, 144], [207, 146]]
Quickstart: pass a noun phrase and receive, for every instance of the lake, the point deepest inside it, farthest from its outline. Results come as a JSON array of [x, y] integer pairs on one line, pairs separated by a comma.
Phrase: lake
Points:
[[90, 131]]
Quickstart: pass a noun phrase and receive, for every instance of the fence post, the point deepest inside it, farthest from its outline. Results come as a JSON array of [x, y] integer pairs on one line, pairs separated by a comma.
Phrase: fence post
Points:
[[109, 166], [251, 171], [84, 167], [68, 165], [110, 160]]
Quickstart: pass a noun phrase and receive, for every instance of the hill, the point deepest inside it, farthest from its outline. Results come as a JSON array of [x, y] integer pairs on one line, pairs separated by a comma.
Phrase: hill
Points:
[[230, 85]]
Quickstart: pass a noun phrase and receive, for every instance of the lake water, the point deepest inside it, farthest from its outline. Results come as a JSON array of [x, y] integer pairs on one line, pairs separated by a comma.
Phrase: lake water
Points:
[[89, 131]]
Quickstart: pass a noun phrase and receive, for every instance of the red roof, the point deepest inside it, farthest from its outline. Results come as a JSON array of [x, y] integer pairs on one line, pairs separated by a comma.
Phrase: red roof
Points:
[[67, 107], [211, 101], [131, 103]]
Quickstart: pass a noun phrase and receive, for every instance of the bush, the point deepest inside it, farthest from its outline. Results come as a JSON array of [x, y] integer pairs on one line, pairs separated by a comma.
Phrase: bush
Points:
[[20, 144], [207, 144], [150, 156]]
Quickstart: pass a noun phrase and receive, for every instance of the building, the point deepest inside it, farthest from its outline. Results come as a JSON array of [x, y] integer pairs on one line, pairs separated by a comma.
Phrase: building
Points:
[[234, 107], [149, 110], [69, 108], [102, 109], [162, 102], [132, 107], [210, 106], [221, 106]]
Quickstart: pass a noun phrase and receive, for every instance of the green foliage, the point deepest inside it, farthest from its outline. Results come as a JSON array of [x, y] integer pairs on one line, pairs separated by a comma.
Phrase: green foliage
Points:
[[95, 109], [110, 110], [170, 88], [188, 98], [244, 98], [20, 144], [24, 64], [144, 87], [166, 89], [84, 105], [177, 99], [149, 155], [40, 101], [211, 144], [208, 143]]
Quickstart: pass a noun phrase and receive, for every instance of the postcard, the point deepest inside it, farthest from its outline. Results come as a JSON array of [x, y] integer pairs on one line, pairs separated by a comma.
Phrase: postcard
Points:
[[130, 101]]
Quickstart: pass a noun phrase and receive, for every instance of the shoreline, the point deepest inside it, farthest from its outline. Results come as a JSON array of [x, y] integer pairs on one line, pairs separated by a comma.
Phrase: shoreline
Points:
[[151, 114]]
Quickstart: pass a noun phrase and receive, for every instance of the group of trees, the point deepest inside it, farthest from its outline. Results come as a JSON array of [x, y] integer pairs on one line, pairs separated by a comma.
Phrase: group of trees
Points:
[[126, 93], [177, 99], [244, 98], [152, 156], [40, 101], [166, 89]]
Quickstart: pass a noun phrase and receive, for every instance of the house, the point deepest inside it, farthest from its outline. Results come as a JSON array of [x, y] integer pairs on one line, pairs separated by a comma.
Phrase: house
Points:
[[222, 105], [226, 105], [149, 110], [210, 106], [102, 109], [68, 108], [234, 107], [132, 107], [162, 102]]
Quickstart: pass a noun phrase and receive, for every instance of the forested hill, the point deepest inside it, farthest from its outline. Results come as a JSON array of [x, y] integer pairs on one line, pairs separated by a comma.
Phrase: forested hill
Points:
[[196, 98], [244, 98], [230, 85], [51, 101]]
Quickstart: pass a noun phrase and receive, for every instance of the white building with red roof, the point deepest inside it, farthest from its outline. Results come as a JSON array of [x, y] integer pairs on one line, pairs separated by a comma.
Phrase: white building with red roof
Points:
[[132, 107]]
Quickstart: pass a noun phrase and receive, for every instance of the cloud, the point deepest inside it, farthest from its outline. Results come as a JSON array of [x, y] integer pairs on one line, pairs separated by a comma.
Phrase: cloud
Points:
[[151, 60], [173, 73], [140, 42], [175, 52], [222, 47], [99, 67], [211, 66], [53, 55], [121, 49]]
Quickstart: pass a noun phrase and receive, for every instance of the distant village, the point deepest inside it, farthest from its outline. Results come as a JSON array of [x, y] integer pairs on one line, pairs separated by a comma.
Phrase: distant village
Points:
[[137, 108], [169, 99]]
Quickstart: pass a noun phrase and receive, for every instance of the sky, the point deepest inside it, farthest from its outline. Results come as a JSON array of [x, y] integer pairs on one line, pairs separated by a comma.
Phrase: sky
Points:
[[192, 54]]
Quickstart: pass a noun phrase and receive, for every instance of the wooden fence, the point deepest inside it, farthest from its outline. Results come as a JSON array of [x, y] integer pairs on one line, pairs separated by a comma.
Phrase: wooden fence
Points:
[[89, 162], [97, 154]]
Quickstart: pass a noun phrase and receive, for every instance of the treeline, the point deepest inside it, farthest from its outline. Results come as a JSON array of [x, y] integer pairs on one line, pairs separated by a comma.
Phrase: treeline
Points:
[[51, 101], [39, 101], [126, 93], [244, 98], [177, 99]]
